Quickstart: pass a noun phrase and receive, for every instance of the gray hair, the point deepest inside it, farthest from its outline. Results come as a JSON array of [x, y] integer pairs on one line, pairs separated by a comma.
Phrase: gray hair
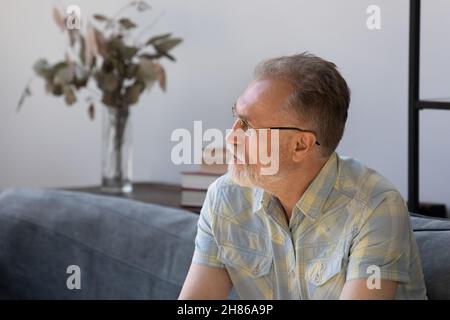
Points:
[[320, 96]]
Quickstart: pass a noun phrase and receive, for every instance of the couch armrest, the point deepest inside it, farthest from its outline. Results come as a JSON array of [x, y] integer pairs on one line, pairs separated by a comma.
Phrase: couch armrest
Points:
[[125, 249]]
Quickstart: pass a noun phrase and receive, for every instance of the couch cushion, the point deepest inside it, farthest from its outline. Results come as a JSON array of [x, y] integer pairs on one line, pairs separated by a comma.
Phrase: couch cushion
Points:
[[125, 249], [433, 238]]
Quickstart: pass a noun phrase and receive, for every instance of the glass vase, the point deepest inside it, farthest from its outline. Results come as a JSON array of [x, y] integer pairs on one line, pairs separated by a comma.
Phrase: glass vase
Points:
[[116, 150]]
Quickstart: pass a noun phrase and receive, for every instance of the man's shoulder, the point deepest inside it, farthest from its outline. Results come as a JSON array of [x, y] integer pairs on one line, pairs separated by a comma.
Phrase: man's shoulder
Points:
[[228, 198], [223, 184], [363, 183]]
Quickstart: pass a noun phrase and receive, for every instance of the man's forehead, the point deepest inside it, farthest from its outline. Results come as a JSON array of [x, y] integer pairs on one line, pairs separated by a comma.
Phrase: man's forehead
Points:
[[254, 92], [264, 94]]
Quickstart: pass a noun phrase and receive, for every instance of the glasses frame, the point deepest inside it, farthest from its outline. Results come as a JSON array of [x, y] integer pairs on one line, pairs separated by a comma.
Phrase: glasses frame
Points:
[[247, 125]]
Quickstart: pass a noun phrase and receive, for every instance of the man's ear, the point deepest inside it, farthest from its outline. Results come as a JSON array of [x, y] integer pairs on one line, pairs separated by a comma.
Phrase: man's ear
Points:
[[303, 145]]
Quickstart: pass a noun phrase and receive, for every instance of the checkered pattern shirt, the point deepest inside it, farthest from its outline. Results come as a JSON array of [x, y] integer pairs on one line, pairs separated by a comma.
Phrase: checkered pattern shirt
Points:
[[351, 223]]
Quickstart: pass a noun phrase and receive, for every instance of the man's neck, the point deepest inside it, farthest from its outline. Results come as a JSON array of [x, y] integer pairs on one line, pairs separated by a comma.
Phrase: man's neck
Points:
[[291, 189]]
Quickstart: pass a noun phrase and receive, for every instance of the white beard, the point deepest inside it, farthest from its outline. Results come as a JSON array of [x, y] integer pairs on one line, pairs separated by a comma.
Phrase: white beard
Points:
[[241, 175], [245, 177]]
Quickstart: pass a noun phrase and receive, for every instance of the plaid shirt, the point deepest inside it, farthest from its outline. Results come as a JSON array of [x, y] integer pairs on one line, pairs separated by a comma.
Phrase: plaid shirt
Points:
[[349, 219]]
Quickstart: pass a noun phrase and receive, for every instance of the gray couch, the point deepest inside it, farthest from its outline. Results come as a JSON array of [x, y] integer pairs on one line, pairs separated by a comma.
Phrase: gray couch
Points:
[[129, 250]]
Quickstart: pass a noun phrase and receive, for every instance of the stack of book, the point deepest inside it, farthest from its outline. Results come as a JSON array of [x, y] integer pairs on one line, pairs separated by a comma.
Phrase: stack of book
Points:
[[194, 184]]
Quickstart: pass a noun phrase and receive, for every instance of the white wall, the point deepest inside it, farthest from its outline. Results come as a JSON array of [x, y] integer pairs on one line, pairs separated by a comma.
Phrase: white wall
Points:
[[49, 144]]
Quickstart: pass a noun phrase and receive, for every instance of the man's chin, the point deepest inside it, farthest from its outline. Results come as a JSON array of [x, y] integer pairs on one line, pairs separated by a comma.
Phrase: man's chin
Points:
[[240, 175]]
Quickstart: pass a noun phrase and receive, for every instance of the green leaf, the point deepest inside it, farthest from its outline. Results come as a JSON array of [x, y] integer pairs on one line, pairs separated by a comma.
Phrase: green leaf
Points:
[[60, 65], [146, 72], [107, 65], [111, 99], [80, 72], [168, 56], [167, 45], [114, 47], [57, 89], [120, 67], [131, 71], [69, 95], [101, 43], [161, 75], [81, 79], [59, 73], [129, 52], [63, 74], [157, 38], [109, 82], [59, 19], [82, 53], [41, 67], [127, 23], [100, 17], [117, 49], [91, 46], [133, 92], [142, 6], [150, 56]]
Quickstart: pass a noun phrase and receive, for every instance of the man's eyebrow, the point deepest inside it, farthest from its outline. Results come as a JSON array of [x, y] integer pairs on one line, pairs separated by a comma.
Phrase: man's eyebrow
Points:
[[241, 116]]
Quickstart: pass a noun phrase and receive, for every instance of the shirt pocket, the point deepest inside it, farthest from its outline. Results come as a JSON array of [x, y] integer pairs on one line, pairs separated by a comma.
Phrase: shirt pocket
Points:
[[325, 277], [320, 271], [254, 263]]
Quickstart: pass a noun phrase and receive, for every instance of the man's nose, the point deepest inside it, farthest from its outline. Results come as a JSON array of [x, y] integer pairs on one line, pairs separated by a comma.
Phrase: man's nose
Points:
[[233, 136]]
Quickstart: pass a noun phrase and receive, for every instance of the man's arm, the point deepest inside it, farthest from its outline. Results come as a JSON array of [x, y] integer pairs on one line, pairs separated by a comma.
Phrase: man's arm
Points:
[[206, 283], [384, 241], [358, 290], [207, 277]]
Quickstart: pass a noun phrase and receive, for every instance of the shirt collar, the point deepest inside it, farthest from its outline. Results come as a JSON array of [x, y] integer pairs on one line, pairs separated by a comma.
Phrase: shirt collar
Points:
[[312, 200]]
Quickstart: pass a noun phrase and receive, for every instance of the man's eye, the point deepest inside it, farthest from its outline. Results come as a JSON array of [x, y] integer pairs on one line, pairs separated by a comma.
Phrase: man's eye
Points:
[[243, 124]]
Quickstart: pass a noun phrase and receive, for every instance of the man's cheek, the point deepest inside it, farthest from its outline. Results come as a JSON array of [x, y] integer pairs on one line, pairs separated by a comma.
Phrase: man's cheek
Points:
[[251, 150], [269, 153]]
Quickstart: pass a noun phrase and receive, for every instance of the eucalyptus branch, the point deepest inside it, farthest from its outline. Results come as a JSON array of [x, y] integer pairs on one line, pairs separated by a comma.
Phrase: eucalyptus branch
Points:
[[26, 92], [121, 71]]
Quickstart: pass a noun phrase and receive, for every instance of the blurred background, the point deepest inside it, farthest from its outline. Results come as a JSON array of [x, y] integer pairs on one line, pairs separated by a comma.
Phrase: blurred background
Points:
[[49, 144]]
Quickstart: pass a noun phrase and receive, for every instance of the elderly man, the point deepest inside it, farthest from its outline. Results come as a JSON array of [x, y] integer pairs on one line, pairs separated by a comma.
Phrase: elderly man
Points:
[[322, 226]]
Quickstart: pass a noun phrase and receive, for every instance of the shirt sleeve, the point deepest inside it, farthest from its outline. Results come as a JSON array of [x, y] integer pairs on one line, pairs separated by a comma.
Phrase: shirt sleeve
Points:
[[206, 249], [383, 242]]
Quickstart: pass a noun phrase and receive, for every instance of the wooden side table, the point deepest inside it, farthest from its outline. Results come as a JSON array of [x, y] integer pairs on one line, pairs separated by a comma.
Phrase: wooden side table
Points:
[[158, 193]]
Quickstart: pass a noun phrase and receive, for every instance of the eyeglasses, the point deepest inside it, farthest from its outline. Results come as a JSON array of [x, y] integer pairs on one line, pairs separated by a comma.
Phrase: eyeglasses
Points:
[[244, 125]]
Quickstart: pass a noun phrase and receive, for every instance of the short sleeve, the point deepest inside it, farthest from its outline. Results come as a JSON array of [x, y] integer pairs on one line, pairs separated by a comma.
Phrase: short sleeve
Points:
[[206, 249], [384, 241]]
